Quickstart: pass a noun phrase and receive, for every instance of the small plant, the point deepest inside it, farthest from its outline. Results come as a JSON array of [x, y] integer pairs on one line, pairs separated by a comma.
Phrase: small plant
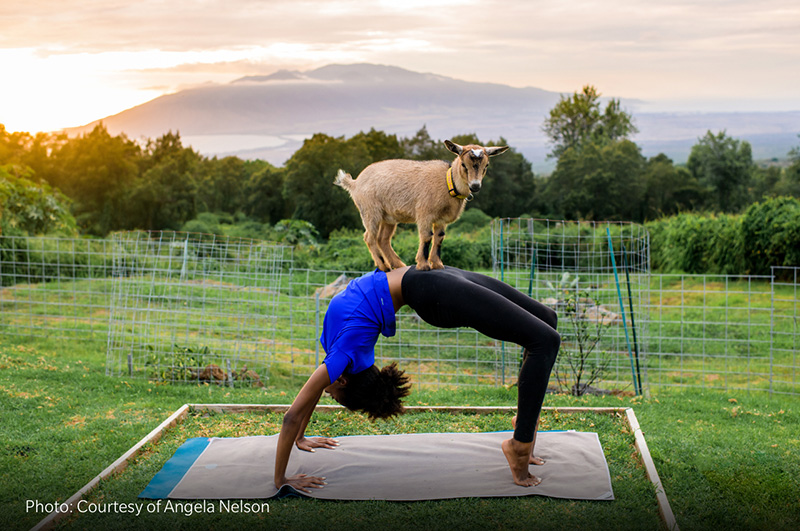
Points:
[[564, 289], [196, 364], [577, 368], [178, 366], [296, 232]]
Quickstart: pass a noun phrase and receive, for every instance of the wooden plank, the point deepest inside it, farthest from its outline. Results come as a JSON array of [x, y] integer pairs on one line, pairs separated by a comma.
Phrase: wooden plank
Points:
[[650, 467], [50, 520], [282, 408]]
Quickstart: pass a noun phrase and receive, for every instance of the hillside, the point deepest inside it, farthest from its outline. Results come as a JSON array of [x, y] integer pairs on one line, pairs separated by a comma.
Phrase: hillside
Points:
[[268, 116]]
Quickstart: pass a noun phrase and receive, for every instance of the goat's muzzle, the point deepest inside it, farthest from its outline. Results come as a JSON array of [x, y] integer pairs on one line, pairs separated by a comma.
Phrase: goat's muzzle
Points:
[[475, 186]]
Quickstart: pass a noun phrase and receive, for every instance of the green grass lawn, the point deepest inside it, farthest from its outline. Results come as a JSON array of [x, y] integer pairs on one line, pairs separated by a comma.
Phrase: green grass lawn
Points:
[[728, 460]]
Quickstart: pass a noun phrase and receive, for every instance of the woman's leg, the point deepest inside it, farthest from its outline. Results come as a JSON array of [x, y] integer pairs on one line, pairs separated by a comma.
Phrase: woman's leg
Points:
[[451, 298]]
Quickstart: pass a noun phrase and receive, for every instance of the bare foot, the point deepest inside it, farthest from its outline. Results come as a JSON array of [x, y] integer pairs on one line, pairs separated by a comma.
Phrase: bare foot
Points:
[[517, 454], [533, 460]]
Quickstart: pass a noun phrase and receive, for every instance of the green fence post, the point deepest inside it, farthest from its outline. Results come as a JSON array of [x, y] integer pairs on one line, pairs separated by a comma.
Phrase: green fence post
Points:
[[622, 309]]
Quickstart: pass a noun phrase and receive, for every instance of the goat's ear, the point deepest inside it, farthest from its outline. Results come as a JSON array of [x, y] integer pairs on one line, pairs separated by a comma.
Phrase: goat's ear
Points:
[[496, 150], [452, 146]]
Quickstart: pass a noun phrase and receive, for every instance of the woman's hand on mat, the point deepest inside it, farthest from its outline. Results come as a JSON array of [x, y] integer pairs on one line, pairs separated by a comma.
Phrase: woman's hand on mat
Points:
[[308, 445], [303, 482]]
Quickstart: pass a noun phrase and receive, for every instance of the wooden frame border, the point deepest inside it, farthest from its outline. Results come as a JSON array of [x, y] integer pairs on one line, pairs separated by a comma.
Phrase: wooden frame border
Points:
[[181, 413]]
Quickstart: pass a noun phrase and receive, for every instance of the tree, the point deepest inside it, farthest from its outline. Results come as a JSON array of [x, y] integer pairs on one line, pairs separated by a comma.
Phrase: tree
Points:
[[764, 182], [598, 182], [309, 181], [163, 195], [221, 184], [380, 146], [789, 183], [577, 120], [724, 166], [668, 189], [422, 147], [96, 171], [263, 195]]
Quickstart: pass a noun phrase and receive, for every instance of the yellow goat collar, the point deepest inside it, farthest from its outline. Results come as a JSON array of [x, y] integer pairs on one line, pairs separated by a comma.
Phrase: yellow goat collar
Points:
[[451, 187]]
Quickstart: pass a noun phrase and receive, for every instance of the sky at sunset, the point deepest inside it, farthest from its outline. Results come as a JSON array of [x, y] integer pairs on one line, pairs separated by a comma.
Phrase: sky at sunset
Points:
[[68, 62]]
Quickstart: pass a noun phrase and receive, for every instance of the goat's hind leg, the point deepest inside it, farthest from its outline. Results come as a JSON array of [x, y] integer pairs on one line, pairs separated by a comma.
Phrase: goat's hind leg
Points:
[[385, 234], [371, 238]]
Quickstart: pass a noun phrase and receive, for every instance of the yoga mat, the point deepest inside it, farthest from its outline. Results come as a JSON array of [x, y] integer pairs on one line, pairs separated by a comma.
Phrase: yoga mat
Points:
[[407, 467]]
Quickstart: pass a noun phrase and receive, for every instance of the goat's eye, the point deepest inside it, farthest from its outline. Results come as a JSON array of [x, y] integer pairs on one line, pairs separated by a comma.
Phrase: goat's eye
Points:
[[464, 166]]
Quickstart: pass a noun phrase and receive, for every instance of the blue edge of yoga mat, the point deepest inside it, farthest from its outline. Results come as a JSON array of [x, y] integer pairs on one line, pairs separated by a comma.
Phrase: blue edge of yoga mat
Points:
[[179, 464]]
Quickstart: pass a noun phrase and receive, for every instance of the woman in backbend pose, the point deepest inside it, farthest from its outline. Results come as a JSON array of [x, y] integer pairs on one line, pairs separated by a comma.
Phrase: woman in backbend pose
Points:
[[445, 298]]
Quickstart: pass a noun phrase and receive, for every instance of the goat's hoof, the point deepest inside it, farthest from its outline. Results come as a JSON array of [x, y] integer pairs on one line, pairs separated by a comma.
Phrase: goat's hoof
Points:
[[437, 264], [423, 266]]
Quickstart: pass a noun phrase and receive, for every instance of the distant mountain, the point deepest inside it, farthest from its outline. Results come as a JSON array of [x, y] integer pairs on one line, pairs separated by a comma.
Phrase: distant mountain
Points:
[[268, 116]]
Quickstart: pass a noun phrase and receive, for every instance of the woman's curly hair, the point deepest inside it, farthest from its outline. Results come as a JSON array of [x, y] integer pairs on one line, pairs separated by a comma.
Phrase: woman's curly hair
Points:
[[376, 392]]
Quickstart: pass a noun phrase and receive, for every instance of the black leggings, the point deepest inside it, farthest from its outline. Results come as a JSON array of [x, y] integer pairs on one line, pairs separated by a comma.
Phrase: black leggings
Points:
[[451, 297]]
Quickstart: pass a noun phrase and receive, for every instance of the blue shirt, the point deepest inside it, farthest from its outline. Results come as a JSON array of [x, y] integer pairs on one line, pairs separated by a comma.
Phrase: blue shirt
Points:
[[354, 319]]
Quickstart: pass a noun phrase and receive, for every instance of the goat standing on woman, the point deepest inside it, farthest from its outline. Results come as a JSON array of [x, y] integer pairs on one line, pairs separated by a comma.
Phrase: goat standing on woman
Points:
[[431, 194]]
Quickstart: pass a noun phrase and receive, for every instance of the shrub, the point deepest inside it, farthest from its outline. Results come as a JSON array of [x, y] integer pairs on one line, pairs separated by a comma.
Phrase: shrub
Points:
[[771, 234], [472, 220], [696, 243], [29, 208], [766, 235], [345, 251]]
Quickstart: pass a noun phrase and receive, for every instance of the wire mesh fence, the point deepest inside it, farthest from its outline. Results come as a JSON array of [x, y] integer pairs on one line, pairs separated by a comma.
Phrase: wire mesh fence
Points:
[[193, 307], [711, 331], [55, 286], [429, 355], [596, 276], [785, 331], [218, 302]]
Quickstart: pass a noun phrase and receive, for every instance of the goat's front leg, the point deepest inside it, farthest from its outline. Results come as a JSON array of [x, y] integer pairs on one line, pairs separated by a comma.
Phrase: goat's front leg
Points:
[[425, 239], [435, 258]]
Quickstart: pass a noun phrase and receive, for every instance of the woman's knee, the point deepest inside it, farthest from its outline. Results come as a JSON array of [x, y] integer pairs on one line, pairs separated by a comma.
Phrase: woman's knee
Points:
[[545, 344], [552, 342], [551, 318]]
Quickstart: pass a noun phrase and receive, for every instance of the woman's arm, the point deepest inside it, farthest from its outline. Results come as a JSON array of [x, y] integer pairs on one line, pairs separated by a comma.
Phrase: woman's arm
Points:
[[308, 445], [293, 422]]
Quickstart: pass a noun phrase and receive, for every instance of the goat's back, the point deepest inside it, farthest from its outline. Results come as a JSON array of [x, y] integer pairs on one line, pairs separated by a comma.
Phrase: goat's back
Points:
[[397, 175], [398, 190]]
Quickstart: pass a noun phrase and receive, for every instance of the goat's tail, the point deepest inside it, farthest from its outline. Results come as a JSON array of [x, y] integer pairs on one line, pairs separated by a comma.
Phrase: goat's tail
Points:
[[344, 180]]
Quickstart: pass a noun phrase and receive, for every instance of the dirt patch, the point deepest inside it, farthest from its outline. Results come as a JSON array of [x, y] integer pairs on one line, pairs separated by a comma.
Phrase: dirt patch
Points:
[[78, 421]]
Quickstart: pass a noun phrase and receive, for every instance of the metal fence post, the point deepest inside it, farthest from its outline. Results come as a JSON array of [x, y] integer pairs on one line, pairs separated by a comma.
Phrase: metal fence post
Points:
[[316, 328]]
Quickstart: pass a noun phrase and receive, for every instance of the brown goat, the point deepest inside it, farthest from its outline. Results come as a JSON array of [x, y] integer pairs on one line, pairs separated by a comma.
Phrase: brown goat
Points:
[[431, 194]]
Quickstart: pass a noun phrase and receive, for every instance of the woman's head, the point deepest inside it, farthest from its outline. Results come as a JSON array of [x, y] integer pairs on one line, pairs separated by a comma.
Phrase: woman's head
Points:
[[375, 392]]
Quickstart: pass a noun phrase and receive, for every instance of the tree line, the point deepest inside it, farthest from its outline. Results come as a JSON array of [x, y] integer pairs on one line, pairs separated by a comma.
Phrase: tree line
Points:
[[114, 183]]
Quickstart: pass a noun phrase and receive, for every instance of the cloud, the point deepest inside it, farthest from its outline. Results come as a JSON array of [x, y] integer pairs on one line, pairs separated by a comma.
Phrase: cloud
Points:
[[366, 30], [633, 48], [79, 26]]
